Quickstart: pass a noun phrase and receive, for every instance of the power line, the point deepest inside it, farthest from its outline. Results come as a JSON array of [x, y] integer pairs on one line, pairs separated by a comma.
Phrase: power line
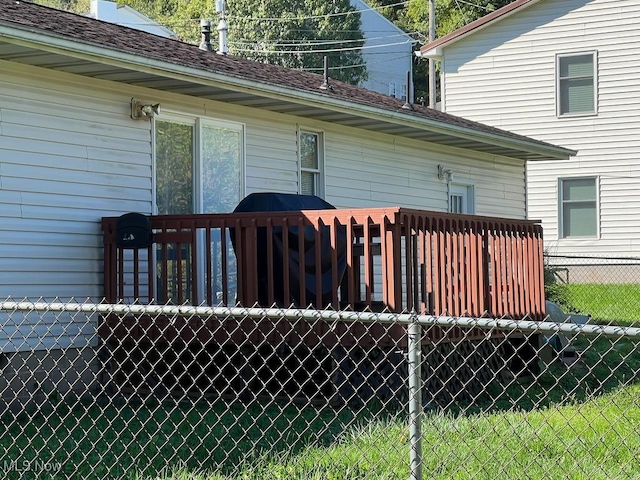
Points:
[[346, 49], [355, 65], [477, 5], [297, 42]]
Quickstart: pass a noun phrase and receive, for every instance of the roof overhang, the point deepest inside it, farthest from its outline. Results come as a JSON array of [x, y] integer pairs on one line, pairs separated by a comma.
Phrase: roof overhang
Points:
[[42, 49]]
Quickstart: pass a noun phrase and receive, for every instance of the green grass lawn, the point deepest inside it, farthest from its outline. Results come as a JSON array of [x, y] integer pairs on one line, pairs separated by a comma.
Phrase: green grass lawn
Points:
[[578, 422], [598, 439], [609, 303]]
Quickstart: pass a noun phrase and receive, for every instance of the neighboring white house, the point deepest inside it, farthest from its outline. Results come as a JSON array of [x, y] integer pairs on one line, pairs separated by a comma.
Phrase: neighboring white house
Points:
[[71, 151], [110, 11], [388, 53], [566, 72]]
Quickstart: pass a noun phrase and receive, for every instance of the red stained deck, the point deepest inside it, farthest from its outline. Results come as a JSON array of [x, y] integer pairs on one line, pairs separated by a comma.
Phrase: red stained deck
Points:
[[396, 260]]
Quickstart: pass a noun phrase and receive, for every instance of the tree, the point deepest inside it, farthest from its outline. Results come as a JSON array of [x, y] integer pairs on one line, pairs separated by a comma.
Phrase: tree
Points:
[[76, 6], [263, 30]]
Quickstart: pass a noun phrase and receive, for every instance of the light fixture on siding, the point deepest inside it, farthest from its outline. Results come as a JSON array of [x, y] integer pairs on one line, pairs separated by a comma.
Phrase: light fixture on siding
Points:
[[141, 110], [445, 173]]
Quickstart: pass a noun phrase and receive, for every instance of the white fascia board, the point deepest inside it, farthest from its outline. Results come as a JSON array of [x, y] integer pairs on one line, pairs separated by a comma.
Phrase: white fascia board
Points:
[[434, 53], [116, 58]]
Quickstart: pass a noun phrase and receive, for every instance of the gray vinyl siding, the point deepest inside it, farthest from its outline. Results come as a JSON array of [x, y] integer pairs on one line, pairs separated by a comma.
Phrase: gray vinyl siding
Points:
[[67, 157], [70, 154], [504, 76]]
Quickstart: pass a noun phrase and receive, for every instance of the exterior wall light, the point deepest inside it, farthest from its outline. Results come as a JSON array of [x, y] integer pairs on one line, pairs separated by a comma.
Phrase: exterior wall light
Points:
[[141, 110], [444, 173]]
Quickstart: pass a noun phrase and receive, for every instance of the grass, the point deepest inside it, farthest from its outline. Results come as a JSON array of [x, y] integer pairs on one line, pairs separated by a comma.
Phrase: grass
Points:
[[582, 422], [599, 439], [95, 442], [616, 303]]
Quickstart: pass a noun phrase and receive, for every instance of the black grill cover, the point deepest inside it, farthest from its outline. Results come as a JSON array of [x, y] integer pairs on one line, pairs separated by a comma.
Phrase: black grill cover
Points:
[[133, 230], [282, 202]]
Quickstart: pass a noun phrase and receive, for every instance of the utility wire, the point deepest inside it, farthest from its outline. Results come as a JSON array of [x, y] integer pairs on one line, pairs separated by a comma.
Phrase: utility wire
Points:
[[355, 65], [346, 49], [481, 7], [293, 43]]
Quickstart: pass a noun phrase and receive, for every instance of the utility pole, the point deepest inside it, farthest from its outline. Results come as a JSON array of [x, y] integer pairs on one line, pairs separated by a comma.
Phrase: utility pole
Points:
[[432, 62]]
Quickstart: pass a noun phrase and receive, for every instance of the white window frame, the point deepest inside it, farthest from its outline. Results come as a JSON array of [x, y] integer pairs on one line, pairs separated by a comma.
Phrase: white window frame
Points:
[[561, 235], [559, 57], [198, 122], [319, 171], [467, 191]]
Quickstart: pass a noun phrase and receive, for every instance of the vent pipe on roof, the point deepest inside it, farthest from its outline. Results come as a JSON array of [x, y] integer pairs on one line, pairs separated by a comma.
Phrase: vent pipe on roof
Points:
[[205, 28], [325, 84], [223, 29]]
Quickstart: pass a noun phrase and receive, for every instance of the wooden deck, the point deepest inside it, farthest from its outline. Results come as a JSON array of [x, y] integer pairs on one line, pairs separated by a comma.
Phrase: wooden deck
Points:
[[382, 259]]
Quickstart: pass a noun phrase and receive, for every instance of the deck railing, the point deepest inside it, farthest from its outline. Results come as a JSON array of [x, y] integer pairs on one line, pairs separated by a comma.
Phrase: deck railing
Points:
[[391, 259]]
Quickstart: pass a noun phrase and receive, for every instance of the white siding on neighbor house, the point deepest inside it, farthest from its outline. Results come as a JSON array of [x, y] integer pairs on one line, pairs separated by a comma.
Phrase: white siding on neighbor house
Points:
[[504, 76], [387, 52], [70, 154]]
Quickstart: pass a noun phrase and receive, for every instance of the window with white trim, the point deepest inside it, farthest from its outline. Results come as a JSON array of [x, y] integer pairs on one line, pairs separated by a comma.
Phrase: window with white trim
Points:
[[199, 168], [198, 165], [310, 153], [461, 198], [576, 84], [578, 205]]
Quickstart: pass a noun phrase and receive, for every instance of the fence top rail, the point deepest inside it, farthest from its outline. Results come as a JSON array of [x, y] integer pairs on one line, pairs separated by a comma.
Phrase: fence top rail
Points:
[[344, 216], [593, 257], [312, 315]]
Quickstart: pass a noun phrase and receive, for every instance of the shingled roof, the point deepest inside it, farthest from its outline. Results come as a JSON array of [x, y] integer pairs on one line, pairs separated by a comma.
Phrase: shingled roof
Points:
[[95, 48]]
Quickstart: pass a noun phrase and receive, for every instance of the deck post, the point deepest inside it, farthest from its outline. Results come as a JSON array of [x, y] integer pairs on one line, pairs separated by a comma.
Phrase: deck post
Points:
[[414, 346]]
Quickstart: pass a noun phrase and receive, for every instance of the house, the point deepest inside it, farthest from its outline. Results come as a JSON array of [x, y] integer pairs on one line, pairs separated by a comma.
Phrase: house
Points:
[[387, 51], [565, 72], [97, 120]]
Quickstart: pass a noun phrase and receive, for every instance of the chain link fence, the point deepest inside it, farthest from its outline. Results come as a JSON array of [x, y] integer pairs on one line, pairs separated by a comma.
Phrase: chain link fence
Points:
[[113, 391], [607, 289]]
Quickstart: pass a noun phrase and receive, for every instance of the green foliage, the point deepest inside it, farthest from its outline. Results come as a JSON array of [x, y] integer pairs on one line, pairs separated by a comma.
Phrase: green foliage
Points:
[[450, 14], [558, 293], [76, 6], [262, 30], [181, 16]]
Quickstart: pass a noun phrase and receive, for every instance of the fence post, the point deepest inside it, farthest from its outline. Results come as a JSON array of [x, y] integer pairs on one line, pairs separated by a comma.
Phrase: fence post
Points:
[[414, 346]]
